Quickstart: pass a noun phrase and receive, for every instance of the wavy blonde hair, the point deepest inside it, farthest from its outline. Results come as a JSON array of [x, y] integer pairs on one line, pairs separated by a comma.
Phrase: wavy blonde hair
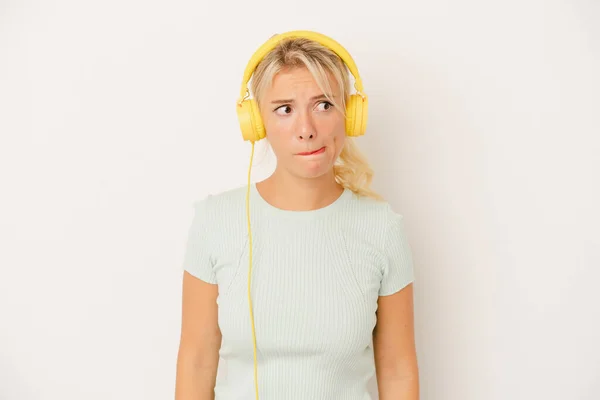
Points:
[[351, 170]]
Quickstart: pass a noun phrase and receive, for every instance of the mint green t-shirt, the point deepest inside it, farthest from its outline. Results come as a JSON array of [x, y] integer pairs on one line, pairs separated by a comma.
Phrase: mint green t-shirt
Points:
[[316, 278]]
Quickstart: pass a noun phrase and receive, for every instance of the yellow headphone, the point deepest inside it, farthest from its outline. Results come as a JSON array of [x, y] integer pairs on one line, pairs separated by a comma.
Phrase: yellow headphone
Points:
[[253, 129], [247, 109]]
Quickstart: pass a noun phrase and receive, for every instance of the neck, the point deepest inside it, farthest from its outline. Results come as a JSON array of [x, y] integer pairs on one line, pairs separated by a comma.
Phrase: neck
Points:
[[288, 192]]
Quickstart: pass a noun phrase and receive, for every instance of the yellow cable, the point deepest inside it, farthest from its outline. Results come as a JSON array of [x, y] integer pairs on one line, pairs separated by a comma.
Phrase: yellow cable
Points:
[[250, 271]]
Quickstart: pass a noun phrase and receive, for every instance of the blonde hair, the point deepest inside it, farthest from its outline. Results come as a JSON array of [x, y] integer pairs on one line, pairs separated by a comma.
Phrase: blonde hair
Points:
[[351, 170]]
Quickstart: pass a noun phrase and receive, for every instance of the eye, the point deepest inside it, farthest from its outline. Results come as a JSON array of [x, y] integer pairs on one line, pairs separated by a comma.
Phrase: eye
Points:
[[283, 110], [326, 105]]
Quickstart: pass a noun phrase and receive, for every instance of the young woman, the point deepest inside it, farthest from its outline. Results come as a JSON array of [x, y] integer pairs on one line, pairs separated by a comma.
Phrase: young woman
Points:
[[299, 287]]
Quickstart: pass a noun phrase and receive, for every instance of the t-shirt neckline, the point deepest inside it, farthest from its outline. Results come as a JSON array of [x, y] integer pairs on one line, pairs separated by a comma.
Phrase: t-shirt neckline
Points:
[[302, 214]]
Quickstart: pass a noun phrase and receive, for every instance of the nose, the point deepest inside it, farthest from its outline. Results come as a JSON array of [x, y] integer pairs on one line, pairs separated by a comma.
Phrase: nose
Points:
[[302, 137], [306, 127]]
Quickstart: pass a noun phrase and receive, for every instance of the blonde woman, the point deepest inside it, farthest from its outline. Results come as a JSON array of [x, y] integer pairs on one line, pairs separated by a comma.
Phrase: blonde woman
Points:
[[300, 286]]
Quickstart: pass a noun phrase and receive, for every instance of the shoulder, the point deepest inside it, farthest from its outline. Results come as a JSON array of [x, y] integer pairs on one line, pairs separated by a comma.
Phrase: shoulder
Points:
[[377, 216], [223, 201], [219, 210]]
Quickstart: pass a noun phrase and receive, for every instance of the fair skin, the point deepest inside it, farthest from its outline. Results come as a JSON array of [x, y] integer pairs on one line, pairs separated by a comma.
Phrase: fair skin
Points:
[[297, 119], [394, 346], [200, 341]]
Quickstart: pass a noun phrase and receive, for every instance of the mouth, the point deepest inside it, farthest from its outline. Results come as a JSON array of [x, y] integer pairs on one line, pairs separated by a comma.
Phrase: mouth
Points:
[[310, 153]]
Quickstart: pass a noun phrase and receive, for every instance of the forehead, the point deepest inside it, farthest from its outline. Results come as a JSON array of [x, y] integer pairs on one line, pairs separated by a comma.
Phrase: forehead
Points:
[[296, 80]]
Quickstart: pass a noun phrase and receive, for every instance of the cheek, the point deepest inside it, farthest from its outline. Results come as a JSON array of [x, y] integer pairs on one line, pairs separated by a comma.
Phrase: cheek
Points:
[[338, 142], [275, 143], [280, 143], [279, 130]]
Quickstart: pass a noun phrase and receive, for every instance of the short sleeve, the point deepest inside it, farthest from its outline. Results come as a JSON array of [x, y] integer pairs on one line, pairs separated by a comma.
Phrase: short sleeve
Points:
[[397, 269], [197, 258]]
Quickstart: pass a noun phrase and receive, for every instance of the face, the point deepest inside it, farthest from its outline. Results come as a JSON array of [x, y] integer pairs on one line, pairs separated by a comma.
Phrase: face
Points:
[[304, 130]]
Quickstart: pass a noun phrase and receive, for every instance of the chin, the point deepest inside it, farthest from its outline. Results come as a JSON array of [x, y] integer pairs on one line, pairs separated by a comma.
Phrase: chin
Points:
[[313, 172]]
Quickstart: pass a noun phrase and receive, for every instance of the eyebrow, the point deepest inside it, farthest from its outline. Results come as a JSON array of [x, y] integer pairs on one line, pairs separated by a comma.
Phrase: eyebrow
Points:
[[286, 101]]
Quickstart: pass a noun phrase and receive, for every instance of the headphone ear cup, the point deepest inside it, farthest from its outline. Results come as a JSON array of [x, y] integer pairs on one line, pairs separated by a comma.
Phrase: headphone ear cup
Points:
[[357, 110], [250, 120]]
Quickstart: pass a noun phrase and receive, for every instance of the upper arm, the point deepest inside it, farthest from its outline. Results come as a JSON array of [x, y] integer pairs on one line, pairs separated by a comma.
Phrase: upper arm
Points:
[[397, 269], [200, 333], [393, 339], [394, 343], [198, 259], [198, 355]]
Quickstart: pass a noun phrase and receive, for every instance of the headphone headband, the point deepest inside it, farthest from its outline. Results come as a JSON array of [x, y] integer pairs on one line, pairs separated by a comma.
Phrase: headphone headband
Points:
[[317, 37]]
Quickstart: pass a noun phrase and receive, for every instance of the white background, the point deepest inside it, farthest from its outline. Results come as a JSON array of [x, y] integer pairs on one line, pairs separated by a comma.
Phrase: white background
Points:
[[484, 132]]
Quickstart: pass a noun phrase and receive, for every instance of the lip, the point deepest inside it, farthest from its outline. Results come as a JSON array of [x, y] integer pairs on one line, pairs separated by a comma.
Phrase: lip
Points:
[[309, 153]]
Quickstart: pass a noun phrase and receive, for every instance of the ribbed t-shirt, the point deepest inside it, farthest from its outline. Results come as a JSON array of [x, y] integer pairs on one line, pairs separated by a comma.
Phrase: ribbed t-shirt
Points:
[[316, 279]]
